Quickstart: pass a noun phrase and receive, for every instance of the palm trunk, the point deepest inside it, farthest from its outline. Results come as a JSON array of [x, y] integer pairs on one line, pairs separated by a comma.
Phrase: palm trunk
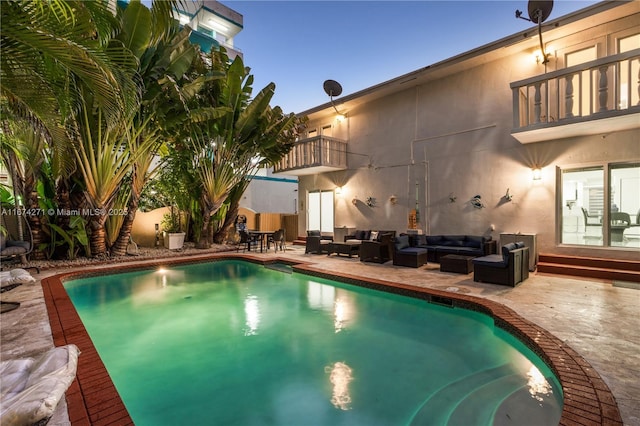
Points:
[[203, 242], [98, 237], [119, 247], [229, 219]]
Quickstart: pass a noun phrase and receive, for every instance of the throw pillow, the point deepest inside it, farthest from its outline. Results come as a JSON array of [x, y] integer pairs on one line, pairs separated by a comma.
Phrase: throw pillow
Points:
[[373, 236]]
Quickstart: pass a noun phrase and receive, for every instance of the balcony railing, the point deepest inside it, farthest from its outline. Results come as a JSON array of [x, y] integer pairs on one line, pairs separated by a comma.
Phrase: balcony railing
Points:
[[314, 155], [560, 103]]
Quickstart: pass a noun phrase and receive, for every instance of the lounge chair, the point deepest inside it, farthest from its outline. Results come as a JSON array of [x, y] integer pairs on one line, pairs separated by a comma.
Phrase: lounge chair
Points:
[[15, 239], [32, 387], [317, 243], [379, 250]]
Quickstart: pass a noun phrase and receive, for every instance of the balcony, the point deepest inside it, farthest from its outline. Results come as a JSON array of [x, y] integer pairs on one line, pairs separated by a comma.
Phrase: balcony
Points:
[[314, 155], [596, 97]]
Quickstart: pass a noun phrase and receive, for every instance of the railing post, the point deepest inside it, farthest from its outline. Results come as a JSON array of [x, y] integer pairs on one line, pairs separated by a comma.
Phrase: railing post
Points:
[[603, 89], [537, 103], [568, 96]]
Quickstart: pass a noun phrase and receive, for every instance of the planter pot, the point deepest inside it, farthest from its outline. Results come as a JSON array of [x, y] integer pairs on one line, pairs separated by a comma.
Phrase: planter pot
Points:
[[174, 241]]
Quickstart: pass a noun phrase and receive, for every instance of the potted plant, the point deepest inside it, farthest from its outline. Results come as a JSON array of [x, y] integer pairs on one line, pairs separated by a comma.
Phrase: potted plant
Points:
[[172, 230]]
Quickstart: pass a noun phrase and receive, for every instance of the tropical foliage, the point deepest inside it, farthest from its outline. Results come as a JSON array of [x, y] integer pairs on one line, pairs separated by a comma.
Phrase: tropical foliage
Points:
[[97, 105]]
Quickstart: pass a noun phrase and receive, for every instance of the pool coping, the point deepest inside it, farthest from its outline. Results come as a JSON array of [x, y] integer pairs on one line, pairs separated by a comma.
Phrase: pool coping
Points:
[[92, 398]]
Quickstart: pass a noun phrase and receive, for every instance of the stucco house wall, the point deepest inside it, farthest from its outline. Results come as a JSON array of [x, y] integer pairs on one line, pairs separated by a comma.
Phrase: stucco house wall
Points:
[[452, 137]]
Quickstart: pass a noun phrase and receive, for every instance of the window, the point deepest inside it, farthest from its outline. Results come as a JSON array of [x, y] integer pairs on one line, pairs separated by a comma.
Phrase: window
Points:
[[586, 216], [320, 211]]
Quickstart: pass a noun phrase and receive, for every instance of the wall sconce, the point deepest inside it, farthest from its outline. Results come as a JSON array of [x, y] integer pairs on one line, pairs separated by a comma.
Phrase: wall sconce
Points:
[[476, 202], [536, 173], [507, 196], [393, 200], [338, 190], [340, 118]]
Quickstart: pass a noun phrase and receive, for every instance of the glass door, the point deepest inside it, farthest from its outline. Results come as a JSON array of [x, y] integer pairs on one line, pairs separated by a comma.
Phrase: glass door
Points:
[[320, 211]]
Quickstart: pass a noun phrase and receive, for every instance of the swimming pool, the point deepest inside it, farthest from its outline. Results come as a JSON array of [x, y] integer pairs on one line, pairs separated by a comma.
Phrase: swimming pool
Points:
[[238, 343]]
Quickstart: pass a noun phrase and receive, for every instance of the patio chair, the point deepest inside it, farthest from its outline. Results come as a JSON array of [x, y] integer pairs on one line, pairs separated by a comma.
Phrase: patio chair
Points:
[[277, 239], [15, 239], [379, 251], [247, 241], [317, 243]]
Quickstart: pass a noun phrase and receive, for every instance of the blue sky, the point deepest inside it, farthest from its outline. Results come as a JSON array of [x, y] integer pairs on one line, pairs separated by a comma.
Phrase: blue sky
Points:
[[300, 44]]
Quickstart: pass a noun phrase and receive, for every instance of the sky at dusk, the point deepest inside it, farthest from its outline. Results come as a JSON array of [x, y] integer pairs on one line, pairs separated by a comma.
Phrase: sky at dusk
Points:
[[300, 44]]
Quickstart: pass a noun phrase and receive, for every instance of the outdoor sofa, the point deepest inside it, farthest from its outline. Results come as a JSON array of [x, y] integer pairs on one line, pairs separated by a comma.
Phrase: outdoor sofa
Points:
[[442, 245], [510, 267]]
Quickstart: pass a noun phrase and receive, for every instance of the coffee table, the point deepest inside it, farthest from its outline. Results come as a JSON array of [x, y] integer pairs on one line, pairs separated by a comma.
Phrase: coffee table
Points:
[[343, 248], [456, 263]]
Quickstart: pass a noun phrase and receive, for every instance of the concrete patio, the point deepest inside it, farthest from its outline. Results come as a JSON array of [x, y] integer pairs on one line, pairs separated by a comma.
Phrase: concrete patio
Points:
[[600, 320]]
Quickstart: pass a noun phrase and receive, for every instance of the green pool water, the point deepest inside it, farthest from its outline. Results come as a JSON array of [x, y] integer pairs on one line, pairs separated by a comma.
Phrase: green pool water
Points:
[[234, 343]]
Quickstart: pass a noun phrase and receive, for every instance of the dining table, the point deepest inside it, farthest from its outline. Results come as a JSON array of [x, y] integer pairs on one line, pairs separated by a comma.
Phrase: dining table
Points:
[[262, 236]]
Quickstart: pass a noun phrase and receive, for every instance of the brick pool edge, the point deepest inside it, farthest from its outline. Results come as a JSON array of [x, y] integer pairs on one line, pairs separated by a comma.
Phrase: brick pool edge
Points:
[[92, 398]]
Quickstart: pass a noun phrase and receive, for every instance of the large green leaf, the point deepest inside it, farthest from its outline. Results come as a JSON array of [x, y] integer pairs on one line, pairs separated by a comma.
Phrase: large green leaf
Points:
[[136, 28]]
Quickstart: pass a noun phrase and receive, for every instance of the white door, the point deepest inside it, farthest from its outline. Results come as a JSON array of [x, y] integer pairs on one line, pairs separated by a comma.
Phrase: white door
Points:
[[320, 211]]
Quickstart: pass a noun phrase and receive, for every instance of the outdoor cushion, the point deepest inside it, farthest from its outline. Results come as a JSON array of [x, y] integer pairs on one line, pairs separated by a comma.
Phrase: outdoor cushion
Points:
[[412, 250], [434, 239], [31, 388], [13, 250], [373, 236], [473, 241], [402, 242], [353, 241], [15, 276], [313, 233], [506, 249], [493, 260]]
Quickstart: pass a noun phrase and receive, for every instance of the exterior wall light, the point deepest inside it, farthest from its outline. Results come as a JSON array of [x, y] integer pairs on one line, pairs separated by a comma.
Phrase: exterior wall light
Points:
[[338, 190], [536, 173]]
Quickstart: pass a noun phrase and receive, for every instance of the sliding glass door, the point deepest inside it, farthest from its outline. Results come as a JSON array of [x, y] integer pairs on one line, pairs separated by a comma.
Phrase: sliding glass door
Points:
[[320, 211]]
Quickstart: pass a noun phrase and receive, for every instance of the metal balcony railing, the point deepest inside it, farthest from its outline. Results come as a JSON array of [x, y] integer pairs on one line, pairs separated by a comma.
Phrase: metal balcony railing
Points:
[[604, 88], [316, 154]]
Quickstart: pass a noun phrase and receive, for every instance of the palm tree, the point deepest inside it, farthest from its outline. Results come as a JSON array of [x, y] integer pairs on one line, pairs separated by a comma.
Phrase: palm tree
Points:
[[44, 43], [164, 54], [230, 135]]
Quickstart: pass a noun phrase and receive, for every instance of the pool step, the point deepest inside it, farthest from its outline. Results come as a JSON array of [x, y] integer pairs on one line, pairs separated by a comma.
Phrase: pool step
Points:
[[472, 400], [439, 407], [282, 267]]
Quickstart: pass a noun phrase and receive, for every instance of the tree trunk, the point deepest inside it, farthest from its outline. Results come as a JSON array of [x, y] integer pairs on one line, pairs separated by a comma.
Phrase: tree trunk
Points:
[[119, 247], [35, 224], [203, 242], [98, 237], [229, 219]]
